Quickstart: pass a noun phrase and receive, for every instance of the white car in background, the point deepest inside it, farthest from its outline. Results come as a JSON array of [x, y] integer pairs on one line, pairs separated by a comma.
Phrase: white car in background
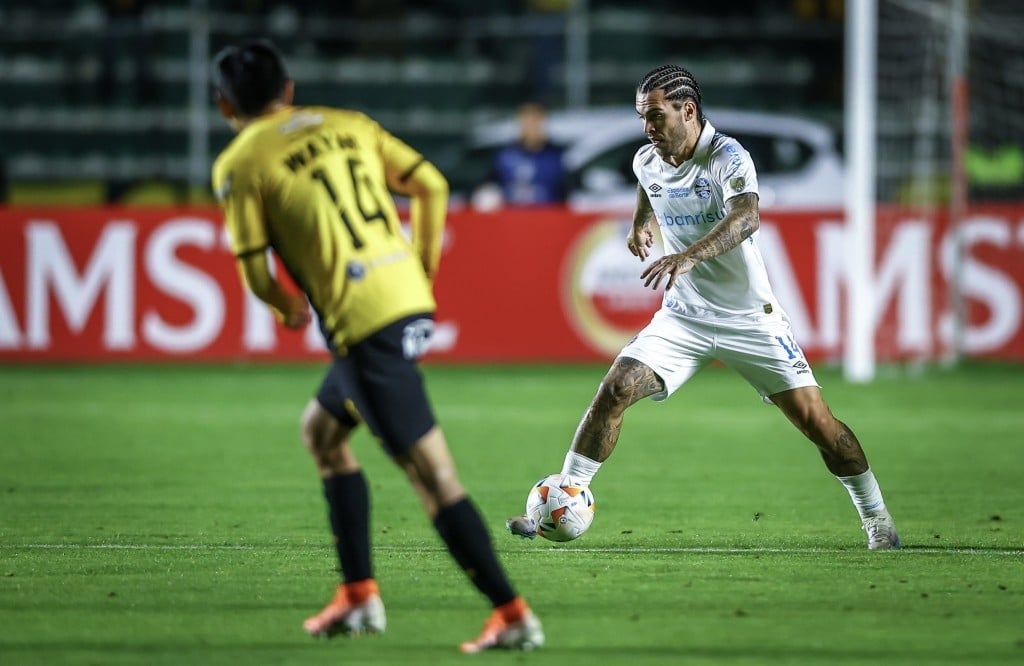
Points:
[[798, 164]]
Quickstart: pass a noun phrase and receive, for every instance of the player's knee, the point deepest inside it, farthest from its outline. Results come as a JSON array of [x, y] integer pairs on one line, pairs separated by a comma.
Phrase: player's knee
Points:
[[437, 480], [429, 463], [809, 413], [819, 426], [311, 428], [315, 443], [627, 382], [615, 394], [323, 437]]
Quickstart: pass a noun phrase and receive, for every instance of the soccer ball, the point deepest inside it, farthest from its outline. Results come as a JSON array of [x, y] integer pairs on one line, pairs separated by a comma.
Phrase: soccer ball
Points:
[[560, 508]]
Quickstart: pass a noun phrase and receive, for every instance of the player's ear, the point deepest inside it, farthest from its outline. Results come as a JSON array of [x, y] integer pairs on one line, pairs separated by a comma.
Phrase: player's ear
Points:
[[225, 107], [288, 95]]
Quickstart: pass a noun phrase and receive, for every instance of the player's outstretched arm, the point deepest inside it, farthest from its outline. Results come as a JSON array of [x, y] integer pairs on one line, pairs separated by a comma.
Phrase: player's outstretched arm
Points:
[[741, 220]]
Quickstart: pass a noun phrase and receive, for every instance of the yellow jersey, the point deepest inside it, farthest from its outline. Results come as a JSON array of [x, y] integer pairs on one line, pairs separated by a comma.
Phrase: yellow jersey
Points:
[[311, 183]]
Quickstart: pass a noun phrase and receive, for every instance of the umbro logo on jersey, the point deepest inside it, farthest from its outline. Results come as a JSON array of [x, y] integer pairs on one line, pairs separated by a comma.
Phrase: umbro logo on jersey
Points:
[[800, 365], [655, 188]]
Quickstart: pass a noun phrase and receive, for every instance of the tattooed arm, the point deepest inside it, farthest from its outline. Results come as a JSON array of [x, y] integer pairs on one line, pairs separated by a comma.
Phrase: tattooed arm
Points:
[[741, 220], [641, 238]]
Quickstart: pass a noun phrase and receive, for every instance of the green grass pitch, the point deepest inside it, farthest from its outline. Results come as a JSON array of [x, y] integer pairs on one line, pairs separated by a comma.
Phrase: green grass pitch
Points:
[[169, 515]]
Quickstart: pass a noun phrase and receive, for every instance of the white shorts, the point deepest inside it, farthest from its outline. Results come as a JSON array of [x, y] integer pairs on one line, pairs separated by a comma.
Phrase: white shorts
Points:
[[763, 351]]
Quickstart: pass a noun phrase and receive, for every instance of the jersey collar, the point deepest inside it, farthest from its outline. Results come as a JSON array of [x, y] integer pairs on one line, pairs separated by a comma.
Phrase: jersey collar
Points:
[[704, 141]]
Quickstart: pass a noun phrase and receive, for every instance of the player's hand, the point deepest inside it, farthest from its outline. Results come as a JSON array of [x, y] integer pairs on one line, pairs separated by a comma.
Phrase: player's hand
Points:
[[640, 241], [670, 266], [297, 314]]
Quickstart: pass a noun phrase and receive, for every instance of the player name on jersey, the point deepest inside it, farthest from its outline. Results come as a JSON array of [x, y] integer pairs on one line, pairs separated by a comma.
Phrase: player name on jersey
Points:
[[316, 146]]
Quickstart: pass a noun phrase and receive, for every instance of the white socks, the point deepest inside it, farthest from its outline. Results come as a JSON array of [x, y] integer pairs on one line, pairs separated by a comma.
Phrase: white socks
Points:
[[864, 492], [863, 488], [581, 468]]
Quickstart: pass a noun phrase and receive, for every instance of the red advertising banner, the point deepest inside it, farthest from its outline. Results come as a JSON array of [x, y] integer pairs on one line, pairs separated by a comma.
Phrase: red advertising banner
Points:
[[518, 285]]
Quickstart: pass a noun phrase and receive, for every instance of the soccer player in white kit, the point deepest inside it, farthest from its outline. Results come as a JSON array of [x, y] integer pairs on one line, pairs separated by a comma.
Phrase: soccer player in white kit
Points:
[[700, 187]]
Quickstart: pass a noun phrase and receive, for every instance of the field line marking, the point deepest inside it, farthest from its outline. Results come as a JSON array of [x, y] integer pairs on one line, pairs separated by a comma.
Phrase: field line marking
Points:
[[682, 550]]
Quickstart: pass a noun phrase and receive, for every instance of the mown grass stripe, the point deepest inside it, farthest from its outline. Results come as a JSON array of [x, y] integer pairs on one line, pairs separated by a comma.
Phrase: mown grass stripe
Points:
[[695, 550]]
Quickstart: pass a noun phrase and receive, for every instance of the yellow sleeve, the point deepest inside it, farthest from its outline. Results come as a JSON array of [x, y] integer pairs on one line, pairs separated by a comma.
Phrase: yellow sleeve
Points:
[[429, 206], [409, 173], [239, 197], [254, 269]]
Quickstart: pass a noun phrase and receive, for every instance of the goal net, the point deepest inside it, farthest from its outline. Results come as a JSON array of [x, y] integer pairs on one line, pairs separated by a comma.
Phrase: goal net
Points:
[[950, 176]]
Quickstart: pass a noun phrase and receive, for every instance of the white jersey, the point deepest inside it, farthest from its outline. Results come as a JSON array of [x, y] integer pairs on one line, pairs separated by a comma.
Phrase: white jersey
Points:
[[688, 201]]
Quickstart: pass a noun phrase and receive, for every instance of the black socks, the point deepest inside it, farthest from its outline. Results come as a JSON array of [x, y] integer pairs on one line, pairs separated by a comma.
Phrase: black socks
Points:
[[469, 542], [348, 500]]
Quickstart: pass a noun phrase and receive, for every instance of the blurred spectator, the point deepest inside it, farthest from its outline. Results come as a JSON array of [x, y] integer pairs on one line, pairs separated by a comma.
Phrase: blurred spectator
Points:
[[528, 172]]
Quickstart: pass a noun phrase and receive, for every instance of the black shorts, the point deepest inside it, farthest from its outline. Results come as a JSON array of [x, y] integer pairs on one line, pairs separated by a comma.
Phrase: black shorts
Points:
[[380, 380]]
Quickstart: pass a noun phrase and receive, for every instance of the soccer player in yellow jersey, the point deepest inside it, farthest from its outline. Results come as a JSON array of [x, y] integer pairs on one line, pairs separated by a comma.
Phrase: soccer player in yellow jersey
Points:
[[314, 185]]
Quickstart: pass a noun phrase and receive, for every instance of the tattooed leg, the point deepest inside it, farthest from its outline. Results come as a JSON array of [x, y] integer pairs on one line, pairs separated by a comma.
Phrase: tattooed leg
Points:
[[837, 444], [844, 456], [628, 381]]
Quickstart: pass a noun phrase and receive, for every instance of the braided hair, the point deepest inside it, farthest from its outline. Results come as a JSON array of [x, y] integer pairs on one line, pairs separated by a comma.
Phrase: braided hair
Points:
[[677, 82]]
